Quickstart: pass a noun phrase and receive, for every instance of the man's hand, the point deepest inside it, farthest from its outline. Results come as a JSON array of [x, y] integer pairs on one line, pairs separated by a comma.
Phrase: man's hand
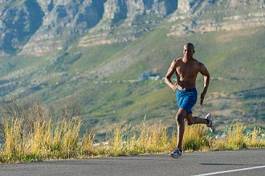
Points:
[[174, 87], [202, 97]]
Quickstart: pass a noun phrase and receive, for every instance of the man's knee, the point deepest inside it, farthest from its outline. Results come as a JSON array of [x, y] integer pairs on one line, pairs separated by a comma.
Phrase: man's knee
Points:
[[190, 120], [180, 118]]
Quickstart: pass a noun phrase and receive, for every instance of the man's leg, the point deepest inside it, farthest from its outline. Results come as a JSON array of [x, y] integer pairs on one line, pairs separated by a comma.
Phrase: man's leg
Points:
[[181, 114], [196, 120], [181, 127]]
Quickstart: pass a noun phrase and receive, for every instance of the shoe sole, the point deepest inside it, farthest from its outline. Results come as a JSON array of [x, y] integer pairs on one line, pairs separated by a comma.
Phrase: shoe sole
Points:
[[174, 157]]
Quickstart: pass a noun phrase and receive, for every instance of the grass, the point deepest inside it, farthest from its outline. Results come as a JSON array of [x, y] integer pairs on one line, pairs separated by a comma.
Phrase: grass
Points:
[[236, 138], [42, 140], [94, 56], [195, 138], [224, 58], [28, 139], [227, 54]]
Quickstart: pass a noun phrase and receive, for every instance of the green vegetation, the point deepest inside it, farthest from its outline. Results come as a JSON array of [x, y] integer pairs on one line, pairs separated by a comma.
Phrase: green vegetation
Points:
[[94, 56], [104, 82], [29, 134]]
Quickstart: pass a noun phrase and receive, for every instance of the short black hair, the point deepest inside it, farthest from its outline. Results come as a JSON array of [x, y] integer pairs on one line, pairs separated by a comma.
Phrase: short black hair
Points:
[[190, 45]]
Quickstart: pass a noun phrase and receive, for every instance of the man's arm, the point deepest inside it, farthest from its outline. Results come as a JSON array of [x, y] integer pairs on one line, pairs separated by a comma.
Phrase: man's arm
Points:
[[206, 81], [170, 72]]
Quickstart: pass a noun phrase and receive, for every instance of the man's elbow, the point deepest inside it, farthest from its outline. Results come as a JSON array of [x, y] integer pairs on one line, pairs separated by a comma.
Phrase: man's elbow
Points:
[[165, 80], [207, 76]]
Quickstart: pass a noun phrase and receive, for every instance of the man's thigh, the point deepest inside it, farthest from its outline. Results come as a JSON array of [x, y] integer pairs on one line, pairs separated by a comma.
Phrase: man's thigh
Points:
[[182, 112]]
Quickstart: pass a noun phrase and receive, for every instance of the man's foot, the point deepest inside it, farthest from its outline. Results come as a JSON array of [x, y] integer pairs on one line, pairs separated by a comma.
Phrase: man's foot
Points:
[[176, 153], [209, 118]]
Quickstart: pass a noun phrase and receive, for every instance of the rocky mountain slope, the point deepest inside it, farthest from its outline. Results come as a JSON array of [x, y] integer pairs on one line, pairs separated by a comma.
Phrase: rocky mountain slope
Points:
[[38, 27], [41, 27]]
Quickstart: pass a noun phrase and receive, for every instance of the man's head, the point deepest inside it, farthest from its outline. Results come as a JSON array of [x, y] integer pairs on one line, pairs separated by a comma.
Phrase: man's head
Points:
[[188, 50]]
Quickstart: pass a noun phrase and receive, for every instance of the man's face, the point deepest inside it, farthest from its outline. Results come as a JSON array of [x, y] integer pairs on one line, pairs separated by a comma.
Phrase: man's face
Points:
[[188, 51]]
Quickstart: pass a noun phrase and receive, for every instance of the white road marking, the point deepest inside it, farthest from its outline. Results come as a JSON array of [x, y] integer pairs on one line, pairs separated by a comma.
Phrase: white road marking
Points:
[[229, 171]]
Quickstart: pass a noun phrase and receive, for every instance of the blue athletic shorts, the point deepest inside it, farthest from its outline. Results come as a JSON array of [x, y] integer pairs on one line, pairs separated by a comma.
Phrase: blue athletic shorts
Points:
[[186, 99]]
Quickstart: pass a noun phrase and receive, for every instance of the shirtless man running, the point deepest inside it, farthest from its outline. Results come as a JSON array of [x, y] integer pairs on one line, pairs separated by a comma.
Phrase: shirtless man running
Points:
[[186, 69]]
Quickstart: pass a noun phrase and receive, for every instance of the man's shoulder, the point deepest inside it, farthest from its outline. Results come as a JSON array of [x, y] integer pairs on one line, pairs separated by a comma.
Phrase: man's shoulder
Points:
[[177, 60], [197, 62]]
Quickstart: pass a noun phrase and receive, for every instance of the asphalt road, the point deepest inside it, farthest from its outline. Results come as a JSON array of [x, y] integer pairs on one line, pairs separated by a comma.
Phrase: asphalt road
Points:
[[232, 163]]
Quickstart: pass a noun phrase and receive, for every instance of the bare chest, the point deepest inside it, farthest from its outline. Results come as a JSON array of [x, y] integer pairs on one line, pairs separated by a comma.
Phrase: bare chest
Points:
[[188, 71]]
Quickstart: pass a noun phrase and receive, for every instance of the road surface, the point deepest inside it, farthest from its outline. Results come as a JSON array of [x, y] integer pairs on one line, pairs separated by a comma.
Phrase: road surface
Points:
[[228, 163]]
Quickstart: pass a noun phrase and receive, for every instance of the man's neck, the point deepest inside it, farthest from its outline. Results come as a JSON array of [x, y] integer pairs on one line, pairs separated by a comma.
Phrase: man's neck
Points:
[[186, 60]]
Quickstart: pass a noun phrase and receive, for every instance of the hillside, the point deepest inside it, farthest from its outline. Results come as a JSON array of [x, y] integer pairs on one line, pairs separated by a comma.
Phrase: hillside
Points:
[[111, 82], [118, 96]]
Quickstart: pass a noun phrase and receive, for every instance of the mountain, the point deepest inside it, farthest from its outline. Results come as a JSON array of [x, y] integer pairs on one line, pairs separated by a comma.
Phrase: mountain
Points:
[[104, 60], [54, 24], [38, 27]]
